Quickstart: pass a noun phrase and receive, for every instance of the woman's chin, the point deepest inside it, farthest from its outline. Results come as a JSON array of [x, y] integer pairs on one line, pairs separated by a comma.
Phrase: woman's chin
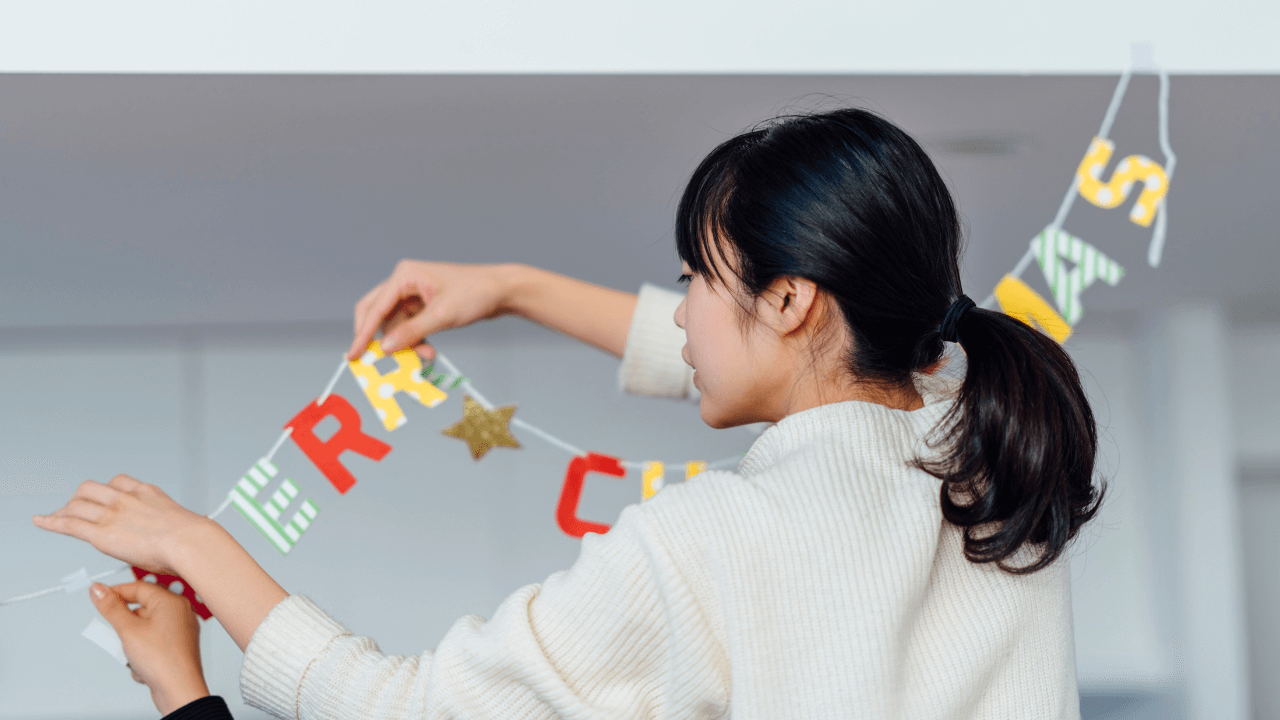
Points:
[[716, 418]]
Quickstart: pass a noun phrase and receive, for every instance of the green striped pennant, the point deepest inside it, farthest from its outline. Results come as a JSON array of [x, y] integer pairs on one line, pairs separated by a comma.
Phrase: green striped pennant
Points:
[[265, 516]]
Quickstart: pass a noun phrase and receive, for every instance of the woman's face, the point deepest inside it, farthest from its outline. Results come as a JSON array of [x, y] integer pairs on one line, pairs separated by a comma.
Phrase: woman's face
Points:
[[731, 356]]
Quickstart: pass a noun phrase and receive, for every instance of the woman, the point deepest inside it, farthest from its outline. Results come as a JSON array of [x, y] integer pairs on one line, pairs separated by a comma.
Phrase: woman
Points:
[[892, 547]]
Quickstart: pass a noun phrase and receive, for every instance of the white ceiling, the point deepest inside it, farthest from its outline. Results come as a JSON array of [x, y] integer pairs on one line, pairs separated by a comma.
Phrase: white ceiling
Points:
[[650, 36], [177, 200]]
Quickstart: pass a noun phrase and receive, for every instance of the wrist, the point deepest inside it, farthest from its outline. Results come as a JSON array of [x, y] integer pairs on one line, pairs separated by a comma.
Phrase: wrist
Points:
[[201, 539], [514, 279], [177, 695]]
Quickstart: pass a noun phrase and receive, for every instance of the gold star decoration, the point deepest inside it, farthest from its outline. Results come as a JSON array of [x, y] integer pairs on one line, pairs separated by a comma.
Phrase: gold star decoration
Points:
[[483, 429]]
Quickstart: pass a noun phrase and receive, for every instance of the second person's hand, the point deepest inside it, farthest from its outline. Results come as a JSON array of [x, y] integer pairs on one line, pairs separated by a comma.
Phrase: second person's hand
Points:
[[161, 640]]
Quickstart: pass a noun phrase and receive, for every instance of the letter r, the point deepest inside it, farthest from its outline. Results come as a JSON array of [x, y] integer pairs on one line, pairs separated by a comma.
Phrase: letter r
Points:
[[348, 437]]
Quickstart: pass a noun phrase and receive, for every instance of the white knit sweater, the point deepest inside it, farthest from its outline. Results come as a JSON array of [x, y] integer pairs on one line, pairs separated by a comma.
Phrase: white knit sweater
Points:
[[818, 581]]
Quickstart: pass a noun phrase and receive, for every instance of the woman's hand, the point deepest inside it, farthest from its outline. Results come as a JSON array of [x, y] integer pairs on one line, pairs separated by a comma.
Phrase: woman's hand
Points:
[[126, 519], [161, 639], [139, 524], [422, 298]]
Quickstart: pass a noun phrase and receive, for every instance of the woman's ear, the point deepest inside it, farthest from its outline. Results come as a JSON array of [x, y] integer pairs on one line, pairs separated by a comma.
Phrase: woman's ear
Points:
[[788, 304]]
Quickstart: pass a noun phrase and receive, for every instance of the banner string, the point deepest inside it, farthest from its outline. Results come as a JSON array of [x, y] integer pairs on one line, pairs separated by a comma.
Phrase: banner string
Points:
[[1156, 249], [1154, 254], [1157, 236], [465, 385]]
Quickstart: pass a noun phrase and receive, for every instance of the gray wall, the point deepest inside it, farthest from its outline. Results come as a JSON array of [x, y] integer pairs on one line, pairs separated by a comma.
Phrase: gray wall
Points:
[[178, 256]]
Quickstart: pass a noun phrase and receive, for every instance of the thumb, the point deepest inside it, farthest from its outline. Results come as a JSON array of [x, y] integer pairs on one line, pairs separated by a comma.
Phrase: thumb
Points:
[[112, 607]]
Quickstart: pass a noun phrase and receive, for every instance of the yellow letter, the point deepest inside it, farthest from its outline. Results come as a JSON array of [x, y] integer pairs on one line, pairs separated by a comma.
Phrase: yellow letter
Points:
[[1115, 190], [652, 479], [1019, 301], [381, 389]]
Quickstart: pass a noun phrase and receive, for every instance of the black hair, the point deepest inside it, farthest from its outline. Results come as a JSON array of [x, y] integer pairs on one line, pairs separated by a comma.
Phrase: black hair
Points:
[[849, 201]]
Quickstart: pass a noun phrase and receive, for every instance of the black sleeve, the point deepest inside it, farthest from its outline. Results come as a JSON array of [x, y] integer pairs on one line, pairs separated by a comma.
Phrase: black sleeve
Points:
[[210, 707]]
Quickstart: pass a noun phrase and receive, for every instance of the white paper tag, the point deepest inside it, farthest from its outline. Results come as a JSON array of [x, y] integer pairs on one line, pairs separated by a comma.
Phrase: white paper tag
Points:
[[77, 580], [101, 634]]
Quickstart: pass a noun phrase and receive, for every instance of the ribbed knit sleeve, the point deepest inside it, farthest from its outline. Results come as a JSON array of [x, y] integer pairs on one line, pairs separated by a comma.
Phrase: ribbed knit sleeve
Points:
[[651, 362], [601, 639]]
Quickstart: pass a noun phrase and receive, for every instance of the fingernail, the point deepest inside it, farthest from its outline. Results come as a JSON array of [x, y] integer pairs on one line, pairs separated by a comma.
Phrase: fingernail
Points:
[[98, 591]]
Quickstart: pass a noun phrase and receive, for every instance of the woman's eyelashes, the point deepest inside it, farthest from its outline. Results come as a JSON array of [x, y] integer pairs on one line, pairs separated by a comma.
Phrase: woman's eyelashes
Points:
[[684, 279]]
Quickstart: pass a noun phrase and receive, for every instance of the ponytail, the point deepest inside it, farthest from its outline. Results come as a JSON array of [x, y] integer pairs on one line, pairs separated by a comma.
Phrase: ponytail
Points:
[[1017, 447]]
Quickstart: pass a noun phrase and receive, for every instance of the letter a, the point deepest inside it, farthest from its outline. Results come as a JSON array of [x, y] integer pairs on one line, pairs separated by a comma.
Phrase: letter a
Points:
[[1052, 248], [325, 454]]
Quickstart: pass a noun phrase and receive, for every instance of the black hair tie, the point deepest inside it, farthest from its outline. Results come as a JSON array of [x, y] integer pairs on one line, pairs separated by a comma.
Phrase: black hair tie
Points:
[[957, 310]]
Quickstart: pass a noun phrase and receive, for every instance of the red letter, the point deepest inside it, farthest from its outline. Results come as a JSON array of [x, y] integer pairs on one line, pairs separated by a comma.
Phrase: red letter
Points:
[[167, 581], [567, 511], [325, 454]]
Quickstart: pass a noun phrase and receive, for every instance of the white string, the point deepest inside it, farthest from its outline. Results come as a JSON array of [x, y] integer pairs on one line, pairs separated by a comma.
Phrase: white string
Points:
[[30, 596], [571, 449], [1114, 108], [465, 385], [1153, 258], [1117, 97], [548, 437], [47, 591], [212, 516], [279, 441], [342, 365], [1156, 250], [226, 503]]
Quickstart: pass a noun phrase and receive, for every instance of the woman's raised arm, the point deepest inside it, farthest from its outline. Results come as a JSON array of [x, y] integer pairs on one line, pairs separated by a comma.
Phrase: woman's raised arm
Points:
[[423, 298]]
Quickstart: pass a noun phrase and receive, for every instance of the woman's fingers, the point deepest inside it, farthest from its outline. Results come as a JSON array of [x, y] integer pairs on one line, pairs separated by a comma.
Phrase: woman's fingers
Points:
[[114, 608], [145, 593], [385, 309], [411, 287], [365, 325], [373, 317], [412, 332], [97, 492], [83, 509], [362, 306], [75, 527], [124, 483]]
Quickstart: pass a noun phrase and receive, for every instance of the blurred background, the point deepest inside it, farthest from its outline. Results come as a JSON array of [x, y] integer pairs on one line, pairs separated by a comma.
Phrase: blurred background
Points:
[[192, 201]]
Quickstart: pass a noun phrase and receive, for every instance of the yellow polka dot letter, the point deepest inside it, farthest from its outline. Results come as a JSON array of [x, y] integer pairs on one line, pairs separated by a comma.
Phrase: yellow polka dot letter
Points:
[[1135, 168], [381, 389]]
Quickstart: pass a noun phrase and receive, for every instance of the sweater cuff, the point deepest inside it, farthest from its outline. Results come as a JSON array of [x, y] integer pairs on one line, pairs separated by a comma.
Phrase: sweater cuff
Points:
[[209, 707], [651, 362], [281, 651]]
